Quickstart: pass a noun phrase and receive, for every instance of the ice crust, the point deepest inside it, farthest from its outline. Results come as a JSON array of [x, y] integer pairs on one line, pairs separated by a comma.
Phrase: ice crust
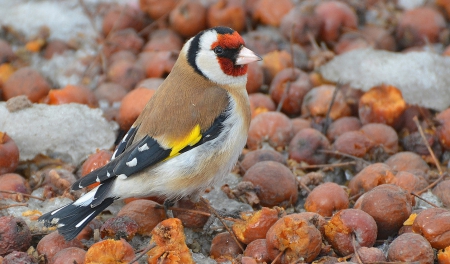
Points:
[[423, 77], [34, 209], [70, 131], [67, 21]]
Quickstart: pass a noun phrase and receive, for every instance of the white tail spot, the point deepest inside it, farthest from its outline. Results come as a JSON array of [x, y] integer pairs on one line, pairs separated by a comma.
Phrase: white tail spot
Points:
[[84, 220], [132, 163]]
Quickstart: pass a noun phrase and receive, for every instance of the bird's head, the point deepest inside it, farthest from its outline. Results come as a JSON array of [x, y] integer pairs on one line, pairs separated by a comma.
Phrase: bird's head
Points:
[[219, 55]]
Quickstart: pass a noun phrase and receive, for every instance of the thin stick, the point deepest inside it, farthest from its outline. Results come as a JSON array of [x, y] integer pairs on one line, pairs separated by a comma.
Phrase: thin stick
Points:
[[288, 85], [313, 41], [355, 249], [277, 257], [243, 170], [13, 205], [184, 210], [389, 262], [436, 161], [356, 196], [40, 233], [147, 249], [430, 203], [24, 194], [335, 152], [189, 211], [284, 96], [223, 222], [327, 117], [431, 185], [232, 219], [304, 186], [342, 164], [153, 23], [89, 15]]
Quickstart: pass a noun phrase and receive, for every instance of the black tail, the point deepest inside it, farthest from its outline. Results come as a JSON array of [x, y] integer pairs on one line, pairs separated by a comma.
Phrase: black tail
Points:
[[71, 219]]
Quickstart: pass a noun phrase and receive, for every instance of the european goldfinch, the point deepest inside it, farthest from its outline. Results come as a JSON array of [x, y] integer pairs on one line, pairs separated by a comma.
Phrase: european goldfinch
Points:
[[190, 133]]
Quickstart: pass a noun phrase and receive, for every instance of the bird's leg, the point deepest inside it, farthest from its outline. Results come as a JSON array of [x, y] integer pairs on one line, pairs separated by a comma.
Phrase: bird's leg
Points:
[[167, 204], [214, 212]]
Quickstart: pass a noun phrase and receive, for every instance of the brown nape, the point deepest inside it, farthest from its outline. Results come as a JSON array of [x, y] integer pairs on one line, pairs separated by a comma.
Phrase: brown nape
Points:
[[192, 88]]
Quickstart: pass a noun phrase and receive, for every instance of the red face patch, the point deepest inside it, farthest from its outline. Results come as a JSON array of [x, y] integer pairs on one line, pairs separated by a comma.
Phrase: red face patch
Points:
[[229, 68], [230, 41]]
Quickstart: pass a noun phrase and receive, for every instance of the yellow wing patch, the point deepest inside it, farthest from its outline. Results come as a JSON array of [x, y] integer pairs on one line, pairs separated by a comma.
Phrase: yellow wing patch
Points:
[[192, 139]]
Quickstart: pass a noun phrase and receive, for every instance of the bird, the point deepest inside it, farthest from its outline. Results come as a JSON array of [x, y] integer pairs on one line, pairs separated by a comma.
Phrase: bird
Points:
[[189, 135]]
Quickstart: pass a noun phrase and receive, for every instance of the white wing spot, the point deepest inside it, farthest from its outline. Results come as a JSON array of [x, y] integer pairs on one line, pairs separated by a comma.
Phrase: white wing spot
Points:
[[132, 163], [54, 212], [86, 199], [114, 155], [143, 147], [107, 174], [98, 179], [125, 137], [122, 176]]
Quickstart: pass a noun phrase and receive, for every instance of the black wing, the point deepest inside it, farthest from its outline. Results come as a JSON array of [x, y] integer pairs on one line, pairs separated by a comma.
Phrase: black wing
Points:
[[125, 142], [140, 155]]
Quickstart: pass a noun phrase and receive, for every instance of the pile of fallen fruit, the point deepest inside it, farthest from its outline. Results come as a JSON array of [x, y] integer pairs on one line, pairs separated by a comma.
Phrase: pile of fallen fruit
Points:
[[336, 169]]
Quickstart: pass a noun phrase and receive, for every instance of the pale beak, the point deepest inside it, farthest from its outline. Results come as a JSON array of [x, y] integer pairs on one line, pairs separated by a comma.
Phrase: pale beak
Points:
[[246, 56]]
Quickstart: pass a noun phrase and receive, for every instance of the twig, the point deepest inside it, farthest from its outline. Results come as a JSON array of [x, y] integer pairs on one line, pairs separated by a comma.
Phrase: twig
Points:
[[115, 24], [147, 28], [13, 205], [342, 164], [24, 194], [89, 15], [335, 152], [189, 211], [288, 85], [313, 42], [99, 56], [277, 257], [147, 249], [304, 186], [223, 222], [158, 206], [243, 170], [356, 250], [436, 161], [430, 203], [431, 185], [232, 219], [354, 197], [40, 233], [392, 262], [327, 116]]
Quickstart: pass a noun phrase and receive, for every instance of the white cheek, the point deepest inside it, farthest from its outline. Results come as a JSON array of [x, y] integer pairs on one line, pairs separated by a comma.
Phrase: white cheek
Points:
[[210, 67], [207, 62]]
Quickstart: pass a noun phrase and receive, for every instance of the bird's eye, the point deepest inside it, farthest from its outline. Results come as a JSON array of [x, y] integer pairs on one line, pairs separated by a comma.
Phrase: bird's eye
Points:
[[218, 50]]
